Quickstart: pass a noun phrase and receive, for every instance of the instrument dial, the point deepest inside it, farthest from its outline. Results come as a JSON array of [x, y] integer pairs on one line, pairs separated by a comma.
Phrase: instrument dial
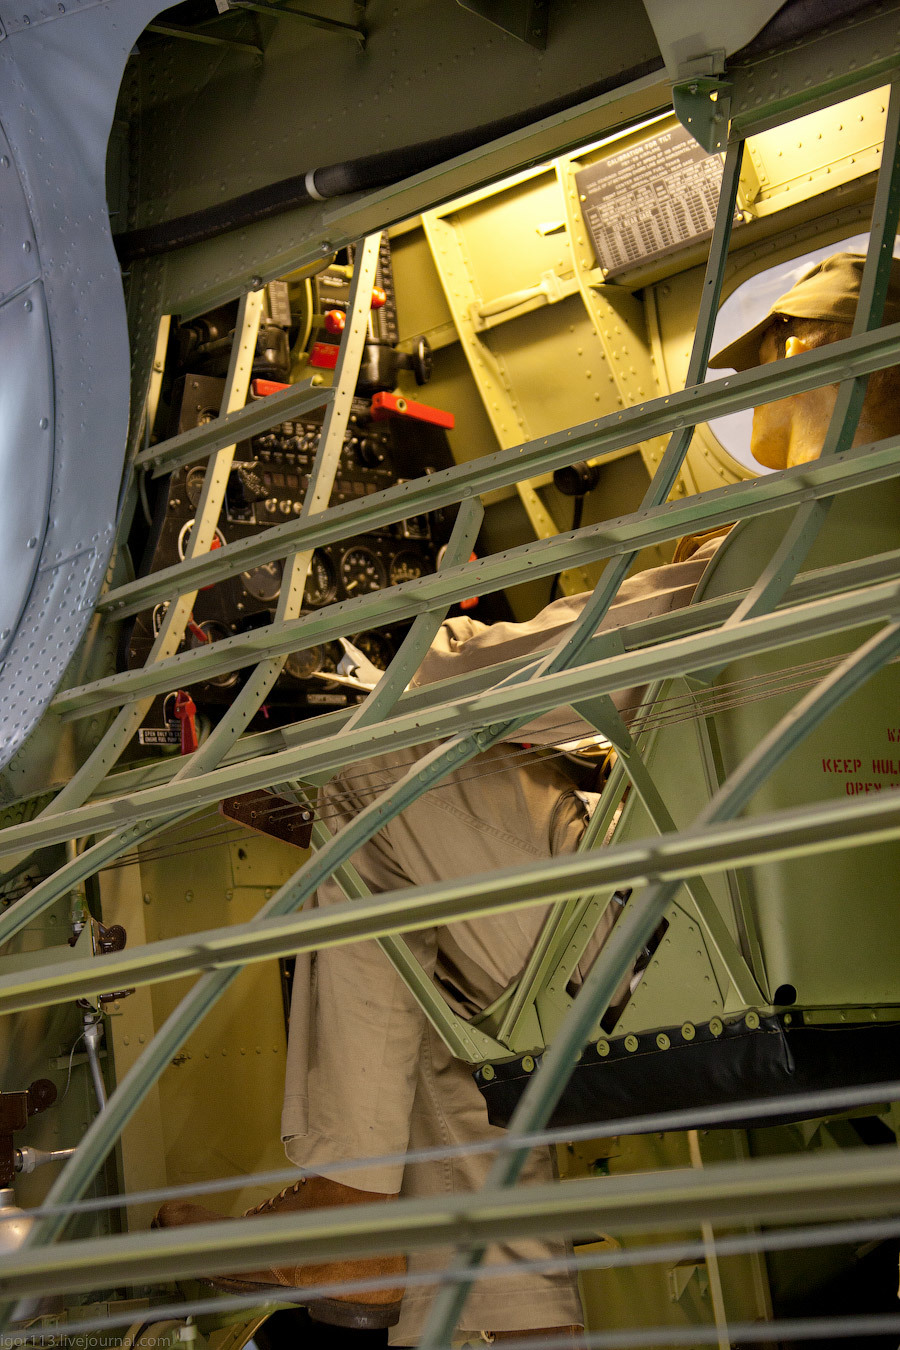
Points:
[[264, 582], [321, 584], [193, 483], [376, 647], [304, 663], [200, 635], [185, 534], [362, 572], [406, 566]]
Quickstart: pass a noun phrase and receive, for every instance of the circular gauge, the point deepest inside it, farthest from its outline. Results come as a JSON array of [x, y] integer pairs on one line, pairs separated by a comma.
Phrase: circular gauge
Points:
[[362, 572], [301, 665], [321, 584], [200, 635], [193, 483], [185, 535], [333, 651], [376, 647], [407, 566], [263, 582]]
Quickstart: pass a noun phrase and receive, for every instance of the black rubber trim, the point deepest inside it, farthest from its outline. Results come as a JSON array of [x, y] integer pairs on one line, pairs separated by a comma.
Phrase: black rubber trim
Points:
[[739, 1064]]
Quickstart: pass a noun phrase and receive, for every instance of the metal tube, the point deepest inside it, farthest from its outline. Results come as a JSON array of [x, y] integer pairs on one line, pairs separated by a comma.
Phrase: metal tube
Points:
[[781, 569], [515, 703], [93, 1035], [235, 425], [711, 847], [836, 1184], [722, 1116], [676, 623], [669, 1252]]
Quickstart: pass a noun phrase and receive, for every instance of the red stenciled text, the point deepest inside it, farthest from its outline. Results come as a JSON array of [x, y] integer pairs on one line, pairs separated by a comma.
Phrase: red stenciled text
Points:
[[841, 765]]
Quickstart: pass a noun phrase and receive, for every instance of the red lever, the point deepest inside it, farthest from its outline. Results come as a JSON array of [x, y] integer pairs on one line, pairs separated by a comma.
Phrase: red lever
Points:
[[472, 600], [379, 297], [198, 632], [185, 711], [335, 321], [215, 543], [395, 405], [262, 388]]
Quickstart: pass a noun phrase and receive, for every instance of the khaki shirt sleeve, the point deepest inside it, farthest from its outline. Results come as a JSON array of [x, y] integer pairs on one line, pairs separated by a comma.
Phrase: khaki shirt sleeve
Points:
[[464, 645]]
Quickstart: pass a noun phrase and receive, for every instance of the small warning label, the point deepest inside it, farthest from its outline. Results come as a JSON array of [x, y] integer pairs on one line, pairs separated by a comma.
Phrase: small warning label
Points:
[[159, 736]]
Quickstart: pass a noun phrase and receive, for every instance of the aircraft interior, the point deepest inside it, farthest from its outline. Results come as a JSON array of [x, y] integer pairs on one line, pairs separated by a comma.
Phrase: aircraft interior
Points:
[[270, 435]]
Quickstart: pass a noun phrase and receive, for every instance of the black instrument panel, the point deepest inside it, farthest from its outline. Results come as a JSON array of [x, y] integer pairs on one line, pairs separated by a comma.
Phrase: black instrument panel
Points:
[[267, 486]]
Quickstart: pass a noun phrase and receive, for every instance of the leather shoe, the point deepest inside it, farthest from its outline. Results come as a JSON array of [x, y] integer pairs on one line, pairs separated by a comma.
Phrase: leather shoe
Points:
[[372, 1310]]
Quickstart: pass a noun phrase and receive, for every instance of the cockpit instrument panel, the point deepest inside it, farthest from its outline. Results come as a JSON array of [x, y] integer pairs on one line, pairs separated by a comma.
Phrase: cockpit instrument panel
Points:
[[267, 486]]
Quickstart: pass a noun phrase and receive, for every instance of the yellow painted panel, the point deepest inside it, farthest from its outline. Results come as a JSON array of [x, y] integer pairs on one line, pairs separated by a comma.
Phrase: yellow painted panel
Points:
[[220, 1099], [803, 158]]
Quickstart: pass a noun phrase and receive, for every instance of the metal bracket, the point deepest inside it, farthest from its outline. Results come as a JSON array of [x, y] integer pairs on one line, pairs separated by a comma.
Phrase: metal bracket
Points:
[[356, 31], [183, 34], [523, 19], [703, 107]]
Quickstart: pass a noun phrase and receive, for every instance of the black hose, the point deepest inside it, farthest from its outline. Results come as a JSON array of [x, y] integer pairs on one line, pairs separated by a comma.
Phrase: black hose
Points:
[[357, 175]]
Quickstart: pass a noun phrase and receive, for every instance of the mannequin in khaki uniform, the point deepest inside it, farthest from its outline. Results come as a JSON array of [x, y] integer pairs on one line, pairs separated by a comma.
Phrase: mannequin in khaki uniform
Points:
[[399, 1087], [367, 1075]]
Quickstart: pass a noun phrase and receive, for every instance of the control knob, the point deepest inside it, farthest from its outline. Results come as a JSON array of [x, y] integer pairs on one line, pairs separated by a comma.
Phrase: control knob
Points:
[[368, 452]]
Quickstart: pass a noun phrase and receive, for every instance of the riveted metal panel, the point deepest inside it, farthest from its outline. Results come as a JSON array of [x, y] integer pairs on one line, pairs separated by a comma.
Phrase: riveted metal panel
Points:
[[59, 76], [26, 459]]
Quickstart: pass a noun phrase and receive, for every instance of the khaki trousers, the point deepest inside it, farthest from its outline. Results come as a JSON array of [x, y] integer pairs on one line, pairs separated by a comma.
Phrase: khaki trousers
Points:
[[367, 1074]]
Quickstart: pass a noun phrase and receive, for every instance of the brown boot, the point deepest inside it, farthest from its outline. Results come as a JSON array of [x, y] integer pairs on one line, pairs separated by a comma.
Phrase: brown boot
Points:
[[373, 1309]]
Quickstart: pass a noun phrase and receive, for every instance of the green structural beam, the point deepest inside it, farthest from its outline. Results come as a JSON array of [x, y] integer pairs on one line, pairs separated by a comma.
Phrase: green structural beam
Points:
[[844, 58], [857, 55], [624, 670], [608, 434], [813, 585], [270, 249], [254, 417], [795, 487], [699, 850], [845, 1182]]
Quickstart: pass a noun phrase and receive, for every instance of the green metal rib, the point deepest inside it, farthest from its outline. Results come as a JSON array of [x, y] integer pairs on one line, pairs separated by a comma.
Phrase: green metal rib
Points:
[[494, 708], [803, 531], [697, 403]]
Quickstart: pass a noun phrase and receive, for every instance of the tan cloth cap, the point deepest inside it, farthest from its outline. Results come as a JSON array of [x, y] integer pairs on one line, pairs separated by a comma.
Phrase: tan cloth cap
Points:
[[829, 290]]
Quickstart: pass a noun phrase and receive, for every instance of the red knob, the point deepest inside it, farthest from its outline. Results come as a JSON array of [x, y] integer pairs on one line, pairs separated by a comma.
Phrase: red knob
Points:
[[335, 321], [379, 297]]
